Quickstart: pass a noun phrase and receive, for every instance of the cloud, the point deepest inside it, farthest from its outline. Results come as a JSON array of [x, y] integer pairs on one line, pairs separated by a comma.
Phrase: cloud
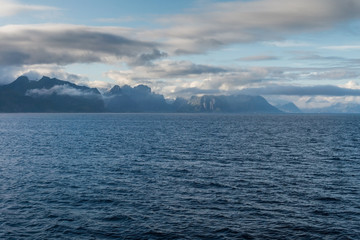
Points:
[[337, 74], [288, 74], [165, 69], [259, 58], [10, 73], [10, 8], [311, 56], [231, 22], [351, 85], [342, 47], [116, 20], [320, 90], [60, 90], [197, 31], [288, 43], [330, 103], [147, 58], [67, 44], [35, 72], [174, 78], [188, 92], [100, 85]]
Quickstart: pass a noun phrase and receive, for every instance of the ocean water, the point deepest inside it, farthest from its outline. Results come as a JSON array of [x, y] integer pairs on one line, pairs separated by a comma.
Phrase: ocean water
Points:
[[179, 176]]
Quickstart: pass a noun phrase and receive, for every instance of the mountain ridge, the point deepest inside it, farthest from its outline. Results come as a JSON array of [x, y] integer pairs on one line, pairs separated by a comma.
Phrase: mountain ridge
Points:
[[48, 95], [54, 95]]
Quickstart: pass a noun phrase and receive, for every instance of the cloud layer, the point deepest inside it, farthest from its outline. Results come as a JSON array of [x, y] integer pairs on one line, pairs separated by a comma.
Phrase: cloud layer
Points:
[[250, 21], [319, 90], [211, 27], [200, 30], [67, 44]]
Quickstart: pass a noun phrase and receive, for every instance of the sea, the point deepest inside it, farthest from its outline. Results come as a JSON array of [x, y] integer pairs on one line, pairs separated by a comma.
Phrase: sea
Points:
[[179, 176]]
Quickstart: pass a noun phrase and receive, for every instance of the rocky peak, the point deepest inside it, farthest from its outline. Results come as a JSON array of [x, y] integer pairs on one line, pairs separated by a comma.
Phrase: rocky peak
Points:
[[115, 90]]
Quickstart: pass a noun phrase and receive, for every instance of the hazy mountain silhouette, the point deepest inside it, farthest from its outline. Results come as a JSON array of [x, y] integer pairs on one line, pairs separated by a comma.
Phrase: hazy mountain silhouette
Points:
[[54, 95], [230, 104], [141, 99], [289, 108], [137, 99], [48, 95], [336, 108]]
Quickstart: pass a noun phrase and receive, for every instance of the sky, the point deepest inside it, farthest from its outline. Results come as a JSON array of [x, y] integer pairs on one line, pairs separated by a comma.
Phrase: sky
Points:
[[303, 51]]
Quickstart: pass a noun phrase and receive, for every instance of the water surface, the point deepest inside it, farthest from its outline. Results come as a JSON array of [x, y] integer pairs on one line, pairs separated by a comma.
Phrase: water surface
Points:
[[179, 176]]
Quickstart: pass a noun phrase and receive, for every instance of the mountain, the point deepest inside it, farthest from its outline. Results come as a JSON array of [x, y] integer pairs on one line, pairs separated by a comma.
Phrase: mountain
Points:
[[48, 95], [141, 99], [54, 95], [225, 104], [336, 108], [289, 108], [137, 99]]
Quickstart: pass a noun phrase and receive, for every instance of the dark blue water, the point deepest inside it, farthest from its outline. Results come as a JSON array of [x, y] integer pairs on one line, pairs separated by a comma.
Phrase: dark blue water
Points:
[[154, 176]]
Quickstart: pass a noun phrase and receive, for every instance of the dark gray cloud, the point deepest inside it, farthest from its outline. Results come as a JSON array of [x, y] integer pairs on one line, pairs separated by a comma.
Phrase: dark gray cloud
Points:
[[258, 58], [147, 58], [67, 44], [321, 90], [196, 69], [164, 70], [319, 57]]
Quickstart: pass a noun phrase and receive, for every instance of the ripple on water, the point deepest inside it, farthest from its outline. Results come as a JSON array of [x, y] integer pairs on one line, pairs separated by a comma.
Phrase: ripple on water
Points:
[[179, 176]]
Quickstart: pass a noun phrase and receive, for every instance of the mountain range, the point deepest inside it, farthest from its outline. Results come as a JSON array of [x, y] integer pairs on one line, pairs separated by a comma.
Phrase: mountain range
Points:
[[137, 99], [54, 95], [49, 95], [230, 104]]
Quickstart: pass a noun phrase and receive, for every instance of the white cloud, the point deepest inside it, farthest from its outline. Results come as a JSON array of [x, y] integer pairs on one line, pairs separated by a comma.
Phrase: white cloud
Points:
[[288, 43], [351, 85], [174, 77], [59, 90], [35, 72], [335, 74], [100, 85], [10, 7], [342, 47], [293, 90]]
